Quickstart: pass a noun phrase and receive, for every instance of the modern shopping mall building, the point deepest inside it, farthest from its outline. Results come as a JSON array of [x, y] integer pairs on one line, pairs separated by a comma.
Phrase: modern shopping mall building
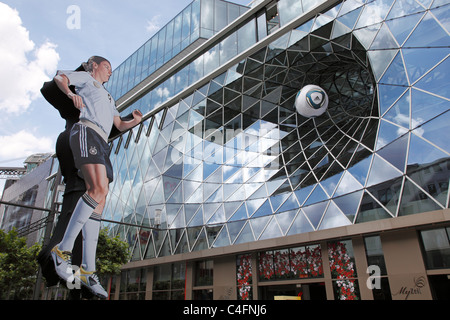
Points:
[[226, 192]]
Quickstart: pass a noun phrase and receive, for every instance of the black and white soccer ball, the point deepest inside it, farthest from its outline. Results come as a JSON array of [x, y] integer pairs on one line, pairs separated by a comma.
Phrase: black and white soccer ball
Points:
[[311, 101]]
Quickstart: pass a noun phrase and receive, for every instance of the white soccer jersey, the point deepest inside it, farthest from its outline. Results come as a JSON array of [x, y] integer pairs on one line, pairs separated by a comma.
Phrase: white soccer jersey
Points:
[[100, 106]]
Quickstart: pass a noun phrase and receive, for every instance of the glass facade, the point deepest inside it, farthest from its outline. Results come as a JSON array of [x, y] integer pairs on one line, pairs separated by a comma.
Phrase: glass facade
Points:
[[200, 19], [232, 162]]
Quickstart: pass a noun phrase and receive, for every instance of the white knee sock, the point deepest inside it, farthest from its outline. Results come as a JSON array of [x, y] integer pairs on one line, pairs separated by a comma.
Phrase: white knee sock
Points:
[[90, 231], [83, 210]]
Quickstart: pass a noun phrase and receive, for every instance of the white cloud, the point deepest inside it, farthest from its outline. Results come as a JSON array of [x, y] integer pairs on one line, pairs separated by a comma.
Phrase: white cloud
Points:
[[154, 24], [23, 66], [23, 144]]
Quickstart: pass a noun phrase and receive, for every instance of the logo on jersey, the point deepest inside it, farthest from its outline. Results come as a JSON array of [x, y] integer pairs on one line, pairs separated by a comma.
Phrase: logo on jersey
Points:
[[93, 150]]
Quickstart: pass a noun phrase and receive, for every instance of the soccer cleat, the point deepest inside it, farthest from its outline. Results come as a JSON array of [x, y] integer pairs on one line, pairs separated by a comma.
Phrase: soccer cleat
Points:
[[90, 280], [63, 264]]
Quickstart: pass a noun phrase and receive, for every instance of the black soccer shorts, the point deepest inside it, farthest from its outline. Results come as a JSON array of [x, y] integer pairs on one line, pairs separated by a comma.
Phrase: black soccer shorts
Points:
[[88, 147]]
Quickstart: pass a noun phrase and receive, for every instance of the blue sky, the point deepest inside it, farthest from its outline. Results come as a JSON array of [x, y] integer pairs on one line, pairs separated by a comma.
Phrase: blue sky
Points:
[[39, 37]]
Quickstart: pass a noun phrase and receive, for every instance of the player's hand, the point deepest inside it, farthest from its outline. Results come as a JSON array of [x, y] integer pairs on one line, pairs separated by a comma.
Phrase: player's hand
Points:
[[77, 100], [137, 115]]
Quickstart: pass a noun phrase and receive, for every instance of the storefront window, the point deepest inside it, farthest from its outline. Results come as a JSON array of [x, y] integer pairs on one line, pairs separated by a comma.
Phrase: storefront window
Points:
[[436, 246], [343, 270], [374, 253], [293, 263], [244, 277], [375, 261], [133, 284], [169, 281], [204, 273]]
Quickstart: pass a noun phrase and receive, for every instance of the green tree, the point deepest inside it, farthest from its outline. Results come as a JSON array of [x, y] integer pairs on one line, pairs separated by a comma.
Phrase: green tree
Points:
[[112, 253], [18, 266]]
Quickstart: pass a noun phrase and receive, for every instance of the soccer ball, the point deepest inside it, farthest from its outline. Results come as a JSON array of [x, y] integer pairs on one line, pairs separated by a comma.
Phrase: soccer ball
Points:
[[311, 101]]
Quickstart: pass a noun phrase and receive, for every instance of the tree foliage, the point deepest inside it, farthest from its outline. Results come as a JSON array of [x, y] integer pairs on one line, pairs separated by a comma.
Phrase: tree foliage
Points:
[[18, 266], [112, 253]]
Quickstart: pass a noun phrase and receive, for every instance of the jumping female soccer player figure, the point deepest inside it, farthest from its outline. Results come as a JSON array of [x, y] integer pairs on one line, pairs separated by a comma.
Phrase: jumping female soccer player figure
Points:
[[89, 144]]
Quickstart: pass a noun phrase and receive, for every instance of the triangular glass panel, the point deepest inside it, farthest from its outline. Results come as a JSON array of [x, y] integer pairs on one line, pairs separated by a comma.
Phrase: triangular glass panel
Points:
[[437, 80], [404, 8], [383, 40], [209, 209], [395, 74], [316, 196], [182, 246], [395, 153], [277, 200], [192, 235], [414, 200], [370, 210], [157, 197], [165, 247], [289, 204], [201, 242], [441, 13], [217, 217], [246, 235], [253, 205], [197, 220], [333, 218], [178, 221], [366, 35], [428, 34], [264, 210], [402, 27], [171, 212], [350, 5], [388, 95], [136, 255], [315, 212], [388, 194], [272, 230], [234, 228], [330, 184], [349, 204], [425, 106], [381, 171], [222, 239], [423, 154], [217, 196], [300, 225], [196, 174], [259, 224], [190, 210], [347, 184], [285, 219], [240, 214], [417, 65], [170, 184], [189, 187], [379, 60], [194, 118], [432, 131], [374, 12], [427, 167], [303, 193], [389, 132], [150, 253], [212, 232], [399, 112], [159, 158], [349, 19]]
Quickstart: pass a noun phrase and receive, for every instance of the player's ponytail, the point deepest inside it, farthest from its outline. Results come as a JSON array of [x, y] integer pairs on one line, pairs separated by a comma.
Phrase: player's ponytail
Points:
[[88, 66]]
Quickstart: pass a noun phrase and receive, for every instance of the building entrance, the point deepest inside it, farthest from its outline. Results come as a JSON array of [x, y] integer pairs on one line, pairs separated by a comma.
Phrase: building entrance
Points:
[[309, 291]]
